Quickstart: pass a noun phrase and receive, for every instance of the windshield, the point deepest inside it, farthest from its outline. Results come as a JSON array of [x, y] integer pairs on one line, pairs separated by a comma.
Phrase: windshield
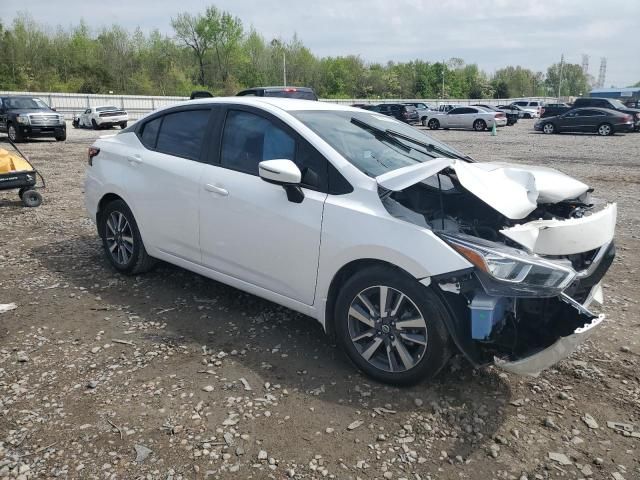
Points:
[[374, 143], [16, 103], [106, 109]]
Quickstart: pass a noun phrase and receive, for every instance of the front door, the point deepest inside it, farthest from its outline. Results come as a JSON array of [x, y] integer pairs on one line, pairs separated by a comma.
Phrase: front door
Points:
[[248, 228]]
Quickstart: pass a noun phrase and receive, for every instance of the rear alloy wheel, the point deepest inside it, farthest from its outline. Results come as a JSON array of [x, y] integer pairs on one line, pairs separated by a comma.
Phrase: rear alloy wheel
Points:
[[527, 116], [479, 125], [391, 326], [433, 124], [549, 128], [605, 129], [121, 239]]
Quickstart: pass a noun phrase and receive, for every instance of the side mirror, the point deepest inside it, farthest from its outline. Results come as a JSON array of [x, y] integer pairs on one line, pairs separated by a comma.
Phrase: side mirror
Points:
[[285, 173]]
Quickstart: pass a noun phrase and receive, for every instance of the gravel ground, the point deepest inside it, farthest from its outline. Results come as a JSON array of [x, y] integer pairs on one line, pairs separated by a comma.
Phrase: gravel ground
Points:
[[170, 375]]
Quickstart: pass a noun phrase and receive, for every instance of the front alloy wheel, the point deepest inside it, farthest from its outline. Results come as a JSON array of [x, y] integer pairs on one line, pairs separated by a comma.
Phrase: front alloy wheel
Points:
[[548, 128], [13, 133], [387, 329], [391, 326]]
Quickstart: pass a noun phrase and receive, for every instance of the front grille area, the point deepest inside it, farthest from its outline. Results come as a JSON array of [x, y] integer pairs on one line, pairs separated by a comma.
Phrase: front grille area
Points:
[[44, 120]]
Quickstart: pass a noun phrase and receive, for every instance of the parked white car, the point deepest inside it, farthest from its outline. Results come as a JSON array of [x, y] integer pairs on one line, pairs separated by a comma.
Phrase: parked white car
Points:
[[105, 116], [403, 248], [476, 118], [529, 108]]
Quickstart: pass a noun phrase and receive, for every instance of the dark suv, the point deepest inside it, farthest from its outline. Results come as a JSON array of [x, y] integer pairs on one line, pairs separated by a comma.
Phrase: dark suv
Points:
[[303, 93], [612, 104], [23, 117], [404, 113]]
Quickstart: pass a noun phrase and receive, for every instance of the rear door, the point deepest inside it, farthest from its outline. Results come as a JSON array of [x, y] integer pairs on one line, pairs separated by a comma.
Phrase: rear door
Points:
[[590, 120], [249, 230], [164, 179]]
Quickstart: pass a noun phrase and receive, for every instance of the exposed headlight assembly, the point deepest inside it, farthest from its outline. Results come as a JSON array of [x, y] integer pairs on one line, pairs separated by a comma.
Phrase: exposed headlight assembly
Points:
[[507, 271], [23, 119]]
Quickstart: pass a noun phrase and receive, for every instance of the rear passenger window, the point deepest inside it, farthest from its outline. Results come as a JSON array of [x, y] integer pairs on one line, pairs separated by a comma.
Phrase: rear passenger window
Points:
[[182, 133], [150, 133]]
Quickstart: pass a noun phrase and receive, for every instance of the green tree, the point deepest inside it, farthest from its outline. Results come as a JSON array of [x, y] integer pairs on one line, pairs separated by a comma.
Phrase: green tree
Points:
[[574, 81], [194, 31]]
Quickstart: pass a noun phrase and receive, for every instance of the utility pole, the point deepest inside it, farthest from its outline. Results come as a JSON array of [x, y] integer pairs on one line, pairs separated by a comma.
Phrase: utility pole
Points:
[[560, 77], [443, 65], [284, 67]]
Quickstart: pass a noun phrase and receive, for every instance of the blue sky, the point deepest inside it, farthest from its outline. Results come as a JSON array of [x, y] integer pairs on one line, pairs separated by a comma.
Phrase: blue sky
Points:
[[491, 33]]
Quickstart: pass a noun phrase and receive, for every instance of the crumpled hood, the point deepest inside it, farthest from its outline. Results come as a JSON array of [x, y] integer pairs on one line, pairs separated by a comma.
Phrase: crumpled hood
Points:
[[513, 190]]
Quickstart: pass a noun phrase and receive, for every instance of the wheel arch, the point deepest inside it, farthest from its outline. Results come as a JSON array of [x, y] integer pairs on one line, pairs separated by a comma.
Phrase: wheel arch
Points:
[[341, 276], [110, 197]]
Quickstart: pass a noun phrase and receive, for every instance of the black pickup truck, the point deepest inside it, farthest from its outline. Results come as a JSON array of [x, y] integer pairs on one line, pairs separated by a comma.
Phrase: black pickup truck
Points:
[[23, 117]]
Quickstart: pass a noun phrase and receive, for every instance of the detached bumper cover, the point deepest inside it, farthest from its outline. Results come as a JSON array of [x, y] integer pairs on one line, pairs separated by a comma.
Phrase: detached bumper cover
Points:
[[533, 364], [566, 237]]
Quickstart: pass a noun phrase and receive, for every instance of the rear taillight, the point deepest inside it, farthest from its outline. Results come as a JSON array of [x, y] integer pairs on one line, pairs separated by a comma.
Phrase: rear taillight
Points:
[[541, 111], [405, 114], [93, 151], [638, 116], [628, 118], [499, 115]]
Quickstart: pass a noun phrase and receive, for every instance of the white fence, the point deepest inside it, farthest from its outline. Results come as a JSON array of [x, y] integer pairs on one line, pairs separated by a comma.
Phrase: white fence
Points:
[[140, 105]]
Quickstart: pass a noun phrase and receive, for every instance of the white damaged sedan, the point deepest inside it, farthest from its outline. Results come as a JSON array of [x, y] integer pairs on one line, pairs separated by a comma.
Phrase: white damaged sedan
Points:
[[404, 249]]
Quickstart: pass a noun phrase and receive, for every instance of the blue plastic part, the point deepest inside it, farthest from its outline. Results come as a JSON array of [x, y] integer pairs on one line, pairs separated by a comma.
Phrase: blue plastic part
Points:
[[486, 313]]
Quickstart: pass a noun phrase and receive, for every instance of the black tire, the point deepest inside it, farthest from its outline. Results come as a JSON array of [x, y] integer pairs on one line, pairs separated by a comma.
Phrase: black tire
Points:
[[479, 125], [548, 128], [605, 129], [75, 123], [94, 124], [137, 260], [123, 125], [22, 190], [62, 137], [31, 198], [421, 300], [14, 133], [433, 124], [527, 116], [423, 121]]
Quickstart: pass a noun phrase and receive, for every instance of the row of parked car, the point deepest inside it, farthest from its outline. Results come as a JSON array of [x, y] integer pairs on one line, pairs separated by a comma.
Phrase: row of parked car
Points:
[[478, 117]]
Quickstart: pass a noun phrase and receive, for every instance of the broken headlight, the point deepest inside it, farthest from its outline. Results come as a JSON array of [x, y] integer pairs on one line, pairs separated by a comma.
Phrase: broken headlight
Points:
[[507, 271]]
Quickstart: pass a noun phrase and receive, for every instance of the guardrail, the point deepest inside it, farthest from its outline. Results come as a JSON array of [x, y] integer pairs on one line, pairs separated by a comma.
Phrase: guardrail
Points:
[[139, 105]]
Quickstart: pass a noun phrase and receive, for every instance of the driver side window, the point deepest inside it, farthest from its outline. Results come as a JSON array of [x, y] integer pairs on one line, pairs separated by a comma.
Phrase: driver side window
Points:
[[249, 139]]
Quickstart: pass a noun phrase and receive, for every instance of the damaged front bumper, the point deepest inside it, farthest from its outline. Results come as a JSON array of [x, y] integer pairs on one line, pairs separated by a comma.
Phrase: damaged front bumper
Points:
[[535, 363]]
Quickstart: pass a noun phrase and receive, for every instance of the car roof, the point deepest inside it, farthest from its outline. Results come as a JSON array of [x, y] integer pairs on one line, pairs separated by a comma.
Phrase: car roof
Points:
[[279, 87], [286, 104]]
